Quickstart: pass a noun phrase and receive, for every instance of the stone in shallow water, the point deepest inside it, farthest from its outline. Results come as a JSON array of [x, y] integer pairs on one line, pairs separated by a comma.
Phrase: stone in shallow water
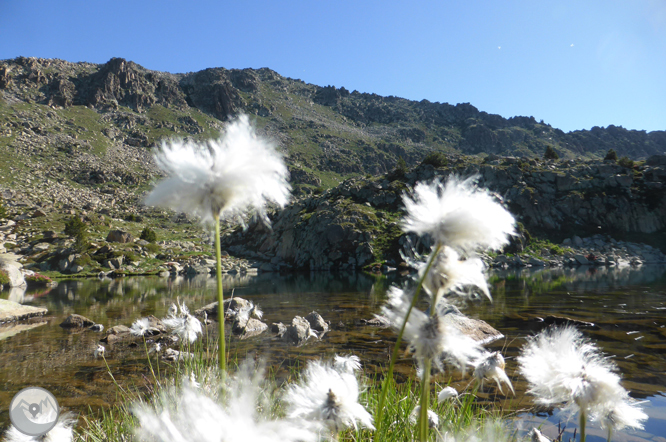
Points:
[[317, 322], [76, 321], [12, 311], [476, 329]]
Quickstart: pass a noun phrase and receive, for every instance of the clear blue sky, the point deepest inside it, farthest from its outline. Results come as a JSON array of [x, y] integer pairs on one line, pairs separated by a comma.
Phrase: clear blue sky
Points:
[[573, 63]]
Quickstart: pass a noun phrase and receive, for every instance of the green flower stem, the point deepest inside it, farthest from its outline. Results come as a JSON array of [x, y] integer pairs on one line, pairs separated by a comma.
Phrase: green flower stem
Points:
[[394, 356], [583, 421], [220, 296], [425, 399]]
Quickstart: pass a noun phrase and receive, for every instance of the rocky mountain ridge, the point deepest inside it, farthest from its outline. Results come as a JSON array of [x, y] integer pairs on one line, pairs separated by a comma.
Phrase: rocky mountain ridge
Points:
[[75, 140]]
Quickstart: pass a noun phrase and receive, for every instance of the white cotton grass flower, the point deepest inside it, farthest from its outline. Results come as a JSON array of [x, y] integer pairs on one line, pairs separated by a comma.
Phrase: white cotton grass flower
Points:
[[491, 366], [99, 351], [141, 327], [347, 364], [189, 329], [224, 178], [433, 418], [450, 274], [430, 336], [446, 394], [182, 323], [63, 431], [562, 367], [189, 414], [458, 214], [327, 397]]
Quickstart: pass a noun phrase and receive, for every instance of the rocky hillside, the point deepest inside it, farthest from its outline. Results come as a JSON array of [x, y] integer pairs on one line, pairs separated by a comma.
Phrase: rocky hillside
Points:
[[357, 223], [76, 138]]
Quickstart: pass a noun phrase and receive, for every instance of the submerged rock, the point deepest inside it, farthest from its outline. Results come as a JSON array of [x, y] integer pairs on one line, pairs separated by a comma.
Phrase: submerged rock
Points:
[[246, 329], [76, 321], [377, 321]]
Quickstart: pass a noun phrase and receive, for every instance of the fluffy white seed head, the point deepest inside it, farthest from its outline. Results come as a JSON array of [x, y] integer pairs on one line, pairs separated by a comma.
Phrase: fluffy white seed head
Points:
[[449, 274], [189, 415], [99, 351], [430, 336], [458, 214], [347, 364], [141, 327], [562, 366], [328, 397], [447, 393], [238, 173], [491, 366]]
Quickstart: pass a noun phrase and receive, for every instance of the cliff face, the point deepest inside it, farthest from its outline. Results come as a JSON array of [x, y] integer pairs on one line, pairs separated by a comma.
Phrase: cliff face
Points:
[[357, 222]]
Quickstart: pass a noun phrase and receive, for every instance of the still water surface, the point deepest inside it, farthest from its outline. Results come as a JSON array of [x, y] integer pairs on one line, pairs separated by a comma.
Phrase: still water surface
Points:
[[626, 306]]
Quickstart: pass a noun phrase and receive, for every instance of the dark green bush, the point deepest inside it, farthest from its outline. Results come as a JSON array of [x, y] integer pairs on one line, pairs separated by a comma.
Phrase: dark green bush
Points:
[[74, 226], [4, 277], [626, 162], [133, 218], [550, 153], [79, 230], [148, 234], [611, 156], [436, 159], [400, 170]]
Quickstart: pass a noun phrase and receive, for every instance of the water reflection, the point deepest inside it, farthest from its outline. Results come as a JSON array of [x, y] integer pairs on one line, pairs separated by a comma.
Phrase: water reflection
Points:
[[625, 305]]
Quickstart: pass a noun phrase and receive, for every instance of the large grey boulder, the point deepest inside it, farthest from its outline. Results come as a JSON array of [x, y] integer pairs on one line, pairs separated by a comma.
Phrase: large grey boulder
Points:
[[9, 264], [119, 236]]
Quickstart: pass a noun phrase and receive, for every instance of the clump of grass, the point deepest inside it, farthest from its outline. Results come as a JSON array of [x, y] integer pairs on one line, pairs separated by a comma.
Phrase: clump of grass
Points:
[[4, 277]]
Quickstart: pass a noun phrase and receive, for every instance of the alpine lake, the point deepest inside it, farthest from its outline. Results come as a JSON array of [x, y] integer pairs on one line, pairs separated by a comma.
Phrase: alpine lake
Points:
[[622, 310]]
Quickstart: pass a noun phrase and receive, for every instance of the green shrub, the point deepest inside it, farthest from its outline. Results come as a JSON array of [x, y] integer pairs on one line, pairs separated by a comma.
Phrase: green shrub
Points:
[[3, 211], [78, 229], [550, 153], [400, 170], [626, 162], [148, 234], [436, 159], [38, 279], [611, 156], [74, 226], [4, 277], [133, 217], [83, 260]]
